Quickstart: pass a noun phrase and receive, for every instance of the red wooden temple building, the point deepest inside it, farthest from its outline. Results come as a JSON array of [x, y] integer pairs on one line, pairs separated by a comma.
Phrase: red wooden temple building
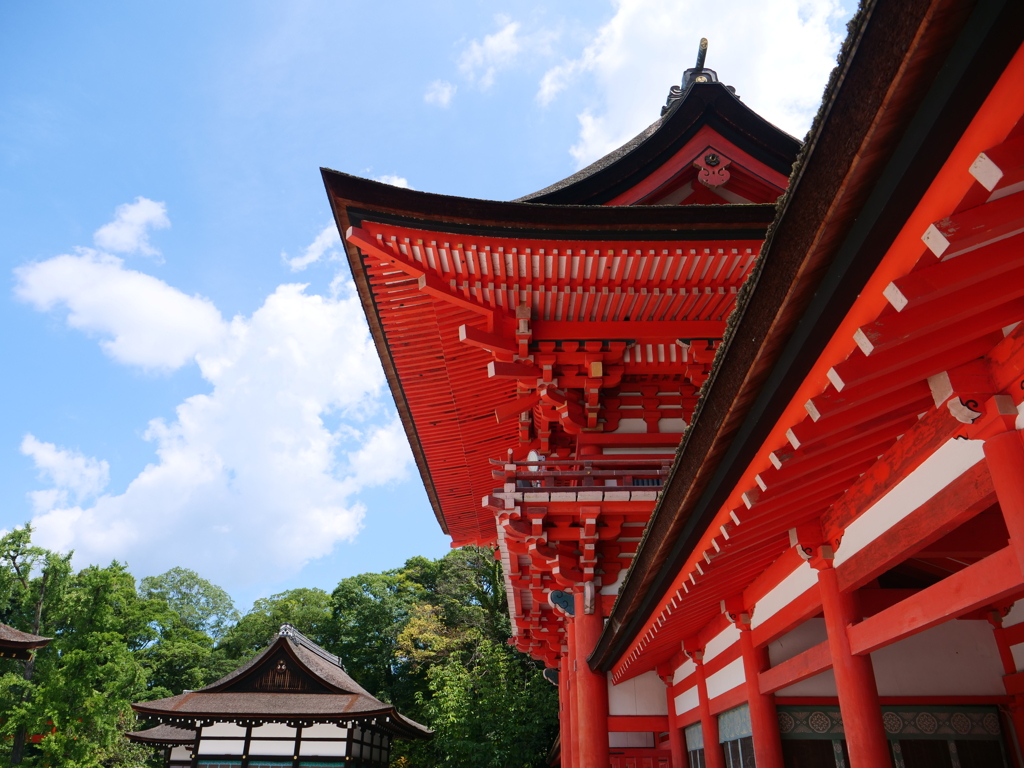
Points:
[[740, 415]]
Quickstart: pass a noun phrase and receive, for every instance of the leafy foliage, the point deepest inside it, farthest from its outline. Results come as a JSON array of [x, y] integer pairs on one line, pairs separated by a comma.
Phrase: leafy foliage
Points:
[[430, 637]]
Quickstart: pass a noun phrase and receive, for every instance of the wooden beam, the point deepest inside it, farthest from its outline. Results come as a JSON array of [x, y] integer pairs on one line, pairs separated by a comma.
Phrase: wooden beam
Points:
[[660, 330], [489, 341], [975, 227], [959, 501], [1001, 167], [811, 662], [637, 723], [995, 578]]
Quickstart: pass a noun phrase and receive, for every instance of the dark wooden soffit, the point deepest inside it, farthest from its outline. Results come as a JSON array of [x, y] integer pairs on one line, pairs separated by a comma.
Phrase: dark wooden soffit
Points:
[[711, 104], [911, 76], [355, 200]]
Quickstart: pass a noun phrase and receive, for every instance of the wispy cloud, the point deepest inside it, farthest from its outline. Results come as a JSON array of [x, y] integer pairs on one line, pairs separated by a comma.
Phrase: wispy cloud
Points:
[[325, 244], [395, 181], [647, 44], [129, 231], [481, 60], [247, 476], [440, 92]]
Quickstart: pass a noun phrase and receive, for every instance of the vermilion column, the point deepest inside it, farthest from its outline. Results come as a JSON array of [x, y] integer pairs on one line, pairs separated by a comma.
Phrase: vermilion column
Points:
[[676, 739], [855, 679], [764, 721], [713, 755], [573, 684], [1005, 455], [1009, 668], [591, 690], [564, 711]]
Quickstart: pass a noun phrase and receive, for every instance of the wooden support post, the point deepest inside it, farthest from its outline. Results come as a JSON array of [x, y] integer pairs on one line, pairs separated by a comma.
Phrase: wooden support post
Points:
[[565, 711], [591, 688], [1009, 668], [676, 738], [1005, 455], [855, 677], [713, 755], [573, 682], [764, 721]]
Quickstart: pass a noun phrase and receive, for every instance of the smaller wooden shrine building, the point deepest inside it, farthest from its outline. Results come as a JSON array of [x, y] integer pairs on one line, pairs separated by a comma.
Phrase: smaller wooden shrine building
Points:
[[15, 644], [292, 705]]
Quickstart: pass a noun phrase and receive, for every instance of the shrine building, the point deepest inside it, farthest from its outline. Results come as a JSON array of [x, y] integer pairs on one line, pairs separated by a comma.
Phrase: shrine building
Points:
[[292, 706], [740, 415]]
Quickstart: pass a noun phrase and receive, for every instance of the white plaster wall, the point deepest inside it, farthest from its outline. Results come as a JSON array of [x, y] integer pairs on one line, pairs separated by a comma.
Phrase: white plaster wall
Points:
[[1016, 614], [683, 671], [783, 593], [944, 466], [807, 635], [721, 642], [619, 740], [687, 700], [725, 679], [958, 658], [819, 685], [642, 695], [615, 586]]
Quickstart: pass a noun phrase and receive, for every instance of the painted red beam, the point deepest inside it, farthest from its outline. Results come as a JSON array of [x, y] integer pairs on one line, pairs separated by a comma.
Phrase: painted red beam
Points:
[[802, 666], [637, 723], [661, 330], [1001, 167], [959, 501], [991, 580], [975, 227]]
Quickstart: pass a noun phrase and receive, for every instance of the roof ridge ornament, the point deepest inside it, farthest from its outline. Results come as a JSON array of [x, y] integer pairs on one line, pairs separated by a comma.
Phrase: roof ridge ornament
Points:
[[696, 74]]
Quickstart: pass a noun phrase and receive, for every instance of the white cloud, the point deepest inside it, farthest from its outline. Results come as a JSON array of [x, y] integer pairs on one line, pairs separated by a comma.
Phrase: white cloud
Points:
[[247, 479], [143, 321], [440, 92], [480, 61], [327, 242], [70, 473], [646, 46], [129, 231], [395, 181]]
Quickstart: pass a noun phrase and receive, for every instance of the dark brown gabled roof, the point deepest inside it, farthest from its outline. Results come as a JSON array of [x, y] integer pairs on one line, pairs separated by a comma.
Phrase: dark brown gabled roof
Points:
[[292, 679], [19, 645], [711, 104], [910, 78], [163, 736]]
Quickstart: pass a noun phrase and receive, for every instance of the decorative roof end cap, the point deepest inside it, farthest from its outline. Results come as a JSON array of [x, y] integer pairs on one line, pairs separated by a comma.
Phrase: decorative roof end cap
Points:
[[696, 74]]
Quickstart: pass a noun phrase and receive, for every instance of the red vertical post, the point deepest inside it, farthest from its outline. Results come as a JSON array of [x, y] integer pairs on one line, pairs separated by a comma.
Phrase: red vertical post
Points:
[[676, 740], [591, 689], [564, 712], [573, 701], [764, 721], [1005, 455], [713, 755], [1009, 667], [855, 678]]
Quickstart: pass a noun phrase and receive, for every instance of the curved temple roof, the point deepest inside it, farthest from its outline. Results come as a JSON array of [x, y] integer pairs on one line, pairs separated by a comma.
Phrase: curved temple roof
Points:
[[292, 679]]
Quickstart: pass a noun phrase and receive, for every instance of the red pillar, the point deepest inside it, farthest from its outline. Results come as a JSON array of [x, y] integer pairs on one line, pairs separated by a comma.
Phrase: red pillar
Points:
[[564, 712], [855, 679], [764, 721], [676, 739], [713, 755], [591, 690], [1009, 667], [1005, 455], [573, 683]]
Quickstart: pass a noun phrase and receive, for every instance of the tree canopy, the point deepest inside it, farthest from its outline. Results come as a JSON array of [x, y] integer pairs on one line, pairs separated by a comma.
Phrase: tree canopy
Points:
[[430, 637]]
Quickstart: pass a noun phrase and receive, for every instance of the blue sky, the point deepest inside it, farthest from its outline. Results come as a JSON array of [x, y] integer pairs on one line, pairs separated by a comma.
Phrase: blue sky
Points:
[[188, 378]]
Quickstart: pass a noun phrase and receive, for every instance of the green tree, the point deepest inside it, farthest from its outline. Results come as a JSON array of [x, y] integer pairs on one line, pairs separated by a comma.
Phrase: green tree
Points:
[[308, 610], [201, 605]]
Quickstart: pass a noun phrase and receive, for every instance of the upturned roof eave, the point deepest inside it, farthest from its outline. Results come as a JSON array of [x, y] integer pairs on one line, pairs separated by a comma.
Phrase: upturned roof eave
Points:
[[829, 235]]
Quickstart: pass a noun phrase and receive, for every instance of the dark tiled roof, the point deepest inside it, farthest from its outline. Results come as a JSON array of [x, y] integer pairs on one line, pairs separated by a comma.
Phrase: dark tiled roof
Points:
[[163, 735], [12, 638], [234, 697]]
